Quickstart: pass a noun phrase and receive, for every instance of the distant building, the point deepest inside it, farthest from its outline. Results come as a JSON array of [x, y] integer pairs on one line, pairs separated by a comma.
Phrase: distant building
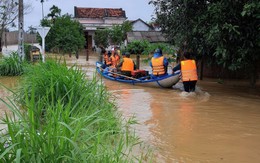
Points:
[[98, 18], [156, 26], [150, 36], [144, 31], [140, 25]]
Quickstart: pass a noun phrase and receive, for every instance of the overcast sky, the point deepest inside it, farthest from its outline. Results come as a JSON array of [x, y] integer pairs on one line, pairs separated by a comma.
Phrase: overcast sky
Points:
[[134, 8]]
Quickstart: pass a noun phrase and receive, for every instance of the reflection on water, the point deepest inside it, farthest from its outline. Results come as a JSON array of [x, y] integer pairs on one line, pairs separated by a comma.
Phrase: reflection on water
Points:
[[5, 84], [196, 127], [217, 123]]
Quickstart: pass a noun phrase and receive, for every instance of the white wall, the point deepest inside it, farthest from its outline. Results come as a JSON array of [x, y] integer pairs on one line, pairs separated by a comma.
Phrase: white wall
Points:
[[7, 50], [140, 26]]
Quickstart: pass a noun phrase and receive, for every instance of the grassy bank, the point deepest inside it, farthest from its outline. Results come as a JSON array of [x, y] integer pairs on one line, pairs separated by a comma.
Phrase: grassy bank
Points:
[[59, 116], [12, 65]]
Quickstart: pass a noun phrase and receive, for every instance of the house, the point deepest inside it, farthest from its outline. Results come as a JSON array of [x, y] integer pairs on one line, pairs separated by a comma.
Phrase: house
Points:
[[140, 25], [144, 31], [150, 36], [97, 18]]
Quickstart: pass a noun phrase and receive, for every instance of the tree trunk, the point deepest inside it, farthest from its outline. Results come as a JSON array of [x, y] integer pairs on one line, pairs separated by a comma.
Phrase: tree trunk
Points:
[[138, 61], [77, 54], [253, 75], [201, 68], [87, 54]]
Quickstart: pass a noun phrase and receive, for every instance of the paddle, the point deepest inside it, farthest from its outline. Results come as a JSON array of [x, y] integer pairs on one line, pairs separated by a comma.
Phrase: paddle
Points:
[[120, 74]]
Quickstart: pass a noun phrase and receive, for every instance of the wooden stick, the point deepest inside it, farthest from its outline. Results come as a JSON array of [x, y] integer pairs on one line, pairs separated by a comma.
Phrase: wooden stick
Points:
[[121, 75], [124, 76]]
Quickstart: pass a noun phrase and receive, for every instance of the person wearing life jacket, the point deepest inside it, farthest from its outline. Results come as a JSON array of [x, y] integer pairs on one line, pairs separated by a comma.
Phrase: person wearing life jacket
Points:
[[115, 59], [107, 59], [189, 72], [159, 63], [126, 65]]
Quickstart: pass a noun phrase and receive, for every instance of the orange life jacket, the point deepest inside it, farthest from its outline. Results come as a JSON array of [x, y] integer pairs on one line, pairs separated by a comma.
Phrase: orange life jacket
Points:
[[189, 70], [107, 59], [157, 66], [128, 64], [115, 60]]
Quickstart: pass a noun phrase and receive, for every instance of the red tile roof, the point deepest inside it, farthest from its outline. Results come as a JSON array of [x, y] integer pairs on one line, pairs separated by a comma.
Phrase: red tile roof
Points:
[[81, 12]]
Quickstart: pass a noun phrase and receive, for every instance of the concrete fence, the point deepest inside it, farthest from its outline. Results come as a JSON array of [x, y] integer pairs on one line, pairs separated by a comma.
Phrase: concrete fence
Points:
[[11, 38]]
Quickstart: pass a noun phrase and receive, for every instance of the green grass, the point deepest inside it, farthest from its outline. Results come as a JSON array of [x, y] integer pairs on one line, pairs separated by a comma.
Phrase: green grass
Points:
[[60, 116], [12, 66]]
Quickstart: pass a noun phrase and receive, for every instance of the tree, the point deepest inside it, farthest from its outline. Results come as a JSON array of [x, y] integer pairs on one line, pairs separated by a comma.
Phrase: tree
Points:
[[101, 38], [118, 33], [126, 27], [8, 14], [65, 35], [31, 30], [225, 30], [55, 12]]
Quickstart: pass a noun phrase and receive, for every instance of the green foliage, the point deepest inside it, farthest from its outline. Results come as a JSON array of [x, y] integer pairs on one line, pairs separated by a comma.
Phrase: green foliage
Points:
[[145, 47], [138, 47], [126, 27], [12, 65], [67, 82], [64, 118], [228, 31], [54, 12], [101, 37], [115, 36], [66, 35], [27, 52], [27, 49], [166, 48], [252, 8], [118, 33]]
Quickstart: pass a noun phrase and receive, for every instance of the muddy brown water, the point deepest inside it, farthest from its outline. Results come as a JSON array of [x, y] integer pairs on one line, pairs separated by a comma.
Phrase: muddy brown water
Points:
[[217, 123]]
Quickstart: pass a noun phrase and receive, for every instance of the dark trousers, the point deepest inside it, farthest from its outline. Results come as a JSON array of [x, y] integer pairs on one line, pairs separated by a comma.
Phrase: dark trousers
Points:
[[189, 86]]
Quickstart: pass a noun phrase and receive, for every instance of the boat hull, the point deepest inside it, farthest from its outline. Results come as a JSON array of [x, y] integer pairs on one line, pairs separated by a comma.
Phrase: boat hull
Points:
[[165, 81]]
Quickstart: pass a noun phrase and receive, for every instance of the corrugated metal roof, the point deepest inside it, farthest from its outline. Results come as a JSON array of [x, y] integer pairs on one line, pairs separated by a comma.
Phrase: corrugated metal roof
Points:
[[151, 36]]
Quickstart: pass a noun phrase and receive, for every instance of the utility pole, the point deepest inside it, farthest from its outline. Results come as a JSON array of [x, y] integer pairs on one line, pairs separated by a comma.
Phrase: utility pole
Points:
[[21, 32], [42, 9]]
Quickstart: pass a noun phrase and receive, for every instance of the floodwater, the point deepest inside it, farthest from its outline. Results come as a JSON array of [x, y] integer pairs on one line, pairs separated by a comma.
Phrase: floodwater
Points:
[[217, 123]]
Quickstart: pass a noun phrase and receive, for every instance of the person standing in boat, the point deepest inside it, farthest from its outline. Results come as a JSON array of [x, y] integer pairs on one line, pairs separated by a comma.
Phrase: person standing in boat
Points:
[[159, 63], [126, 65], [189, 72]]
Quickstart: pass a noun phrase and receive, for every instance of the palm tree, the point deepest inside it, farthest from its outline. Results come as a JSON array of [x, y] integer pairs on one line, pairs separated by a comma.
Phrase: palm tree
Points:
[[55, 12]]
